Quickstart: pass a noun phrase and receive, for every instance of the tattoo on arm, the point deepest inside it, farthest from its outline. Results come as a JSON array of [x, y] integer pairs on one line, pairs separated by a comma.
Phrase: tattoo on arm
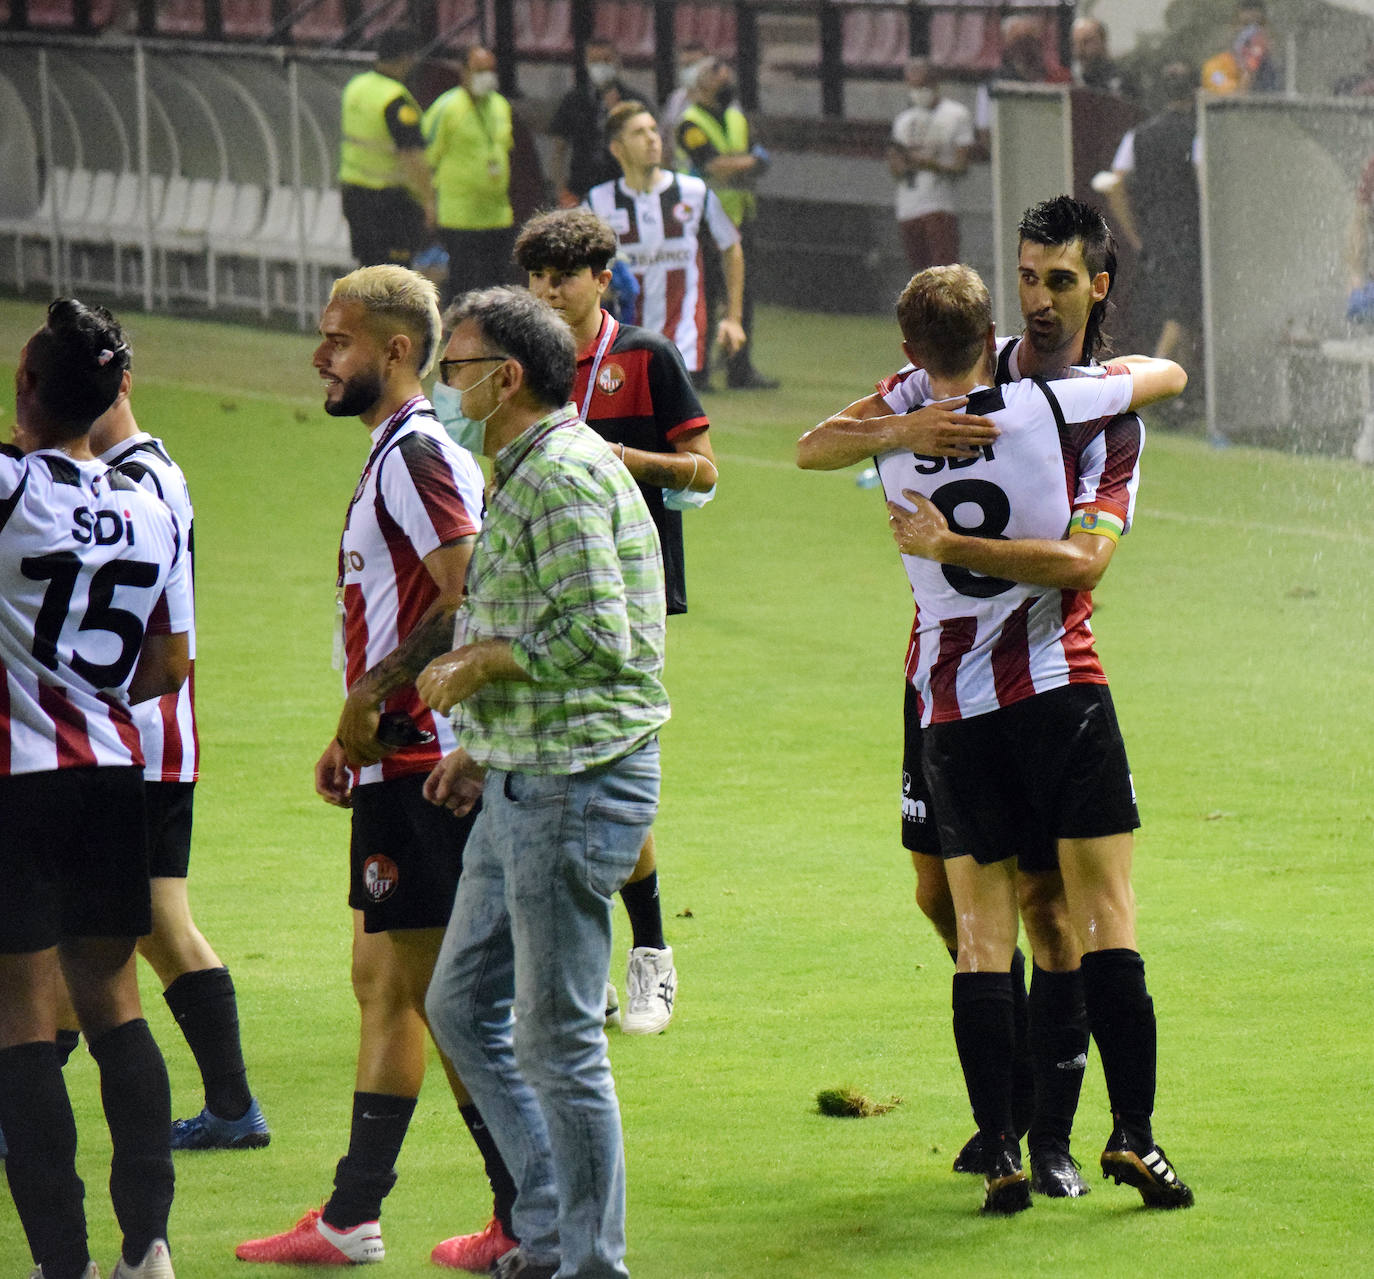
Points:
[[431, 638]]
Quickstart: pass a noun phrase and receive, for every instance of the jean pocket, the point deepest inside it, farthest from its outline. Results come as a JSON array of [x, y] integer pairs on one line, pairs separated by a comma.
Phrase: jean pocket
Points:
[[535, 790], [616, 830]]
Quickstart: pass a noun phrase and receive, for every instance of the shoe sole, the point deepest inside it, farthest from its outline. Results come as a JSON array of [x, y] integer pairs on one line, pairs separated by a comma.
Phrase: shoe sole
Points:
[[1007, 1196], [1125, 1167], [249, 1141]]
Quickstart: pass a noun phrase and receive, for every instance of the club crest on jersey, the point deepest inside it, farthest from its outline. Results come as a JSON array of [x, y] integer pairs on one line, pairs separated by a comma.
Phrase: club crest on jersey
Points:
[[682, 211], [1087, 519], [610, 379], [380, 877]]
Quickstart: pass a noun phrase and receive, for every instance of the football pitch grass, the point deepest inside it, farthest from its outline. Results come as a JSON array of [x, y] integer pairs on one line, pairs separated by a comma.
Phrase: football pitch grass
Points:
[[1235, 625]]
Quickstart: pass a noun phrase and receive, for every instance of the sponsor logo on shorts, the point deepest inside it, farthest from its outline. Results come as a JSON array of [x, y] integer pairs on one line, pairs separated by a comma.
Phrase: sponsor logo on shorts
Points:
[[913, 810], [610, 379], [380, 877]]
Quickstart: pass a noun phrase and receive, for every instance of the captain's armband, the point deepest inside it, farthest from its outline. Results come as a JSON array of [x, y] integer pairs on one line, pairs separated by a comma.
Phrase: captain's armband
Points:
[[1092, 519]]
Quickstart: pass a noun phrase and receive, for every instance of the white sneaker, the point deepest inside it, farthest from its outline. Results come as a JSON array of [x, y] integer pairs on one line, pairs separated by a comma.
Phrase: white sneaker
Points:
[[92, 1271], [156, 1264], [651, 982], [612, 1006]]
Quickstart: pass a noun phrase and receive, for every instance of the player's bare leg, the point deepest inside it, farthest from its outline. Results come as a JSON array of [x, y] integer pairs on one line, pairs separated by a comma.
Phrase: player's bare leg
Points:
[[1097, 883], [984, 1024], [650, 975]]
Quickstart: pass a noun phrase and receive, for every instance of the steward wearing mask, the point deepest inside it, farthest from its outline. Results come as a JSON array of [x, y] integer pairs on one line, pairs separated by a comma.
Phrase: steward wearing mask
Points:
[[713, 142], [581, 159], [468, 139], [929, 150]]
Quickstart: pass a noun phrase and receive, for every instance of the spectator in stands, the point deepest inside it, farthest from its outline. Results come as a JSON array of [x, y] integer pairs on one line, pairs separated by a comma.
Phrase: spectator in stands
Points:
[[1023, 61], [690, 56], [714, 136], [468, 137], [929, 150], [581, 158], [1155, 204], [1247, 64], [1092, 68], [384, 183]]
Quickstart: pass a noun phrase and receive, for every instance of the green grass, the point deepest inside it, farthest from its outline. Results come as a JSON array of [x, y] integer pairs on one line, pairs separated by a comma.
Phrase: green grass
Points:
[[1235, 623]]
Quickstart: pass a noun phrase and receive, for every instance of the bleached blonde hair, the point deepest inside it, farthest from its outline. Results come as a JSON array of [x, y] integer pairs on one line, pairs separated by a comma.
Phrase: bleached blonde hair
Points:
[[396, 295]]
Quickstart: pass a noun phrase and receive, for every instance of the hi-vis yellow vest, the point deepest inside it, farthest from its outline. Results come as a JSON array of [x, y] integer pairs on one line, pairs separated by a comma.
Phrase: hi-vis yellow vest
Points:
[[367, 155], [729, 138]]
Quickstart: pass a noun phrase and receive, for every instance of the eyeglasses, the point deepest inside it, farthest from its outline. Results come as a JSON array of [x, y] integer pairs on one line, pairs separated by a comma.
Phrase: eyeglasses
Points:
[[446, 365]]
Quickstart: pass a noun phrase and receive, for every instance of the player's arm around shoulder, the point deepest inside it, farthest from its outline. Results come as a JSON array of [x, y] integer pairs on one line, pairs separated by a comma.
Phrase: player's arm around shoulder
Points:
[[1076, 562], [869, 427], [1152, 379]]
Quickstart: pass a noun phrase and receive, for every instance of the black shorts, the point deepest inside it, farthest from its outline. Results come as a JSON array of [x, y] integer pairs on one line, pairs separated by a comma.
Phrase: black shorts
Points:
[[1015, 781], [74, 845], [169, 828], [920, 832], [405, 856], [386, 226]]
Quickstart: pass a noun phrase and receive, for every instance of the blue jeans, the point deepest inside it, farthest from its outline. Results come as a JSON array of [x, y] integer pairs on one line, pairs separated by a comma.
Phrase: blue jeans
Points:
[[518, 996]]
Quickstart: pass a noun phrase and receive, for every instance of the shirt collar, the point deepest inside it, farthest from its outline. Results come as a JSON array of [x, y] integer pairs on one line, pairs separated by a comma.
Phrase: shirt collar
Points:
[[415, 402], [508, 459], [589, 350]]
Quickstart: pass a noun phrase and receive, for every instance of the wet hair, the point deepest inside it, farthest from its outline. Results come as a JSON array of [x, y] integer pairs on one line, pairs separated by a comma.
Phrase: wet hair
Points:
[[515, 322], [944, 314], [398, 296], [565, 240], [620, 115], [77, 362], [1065, 220]]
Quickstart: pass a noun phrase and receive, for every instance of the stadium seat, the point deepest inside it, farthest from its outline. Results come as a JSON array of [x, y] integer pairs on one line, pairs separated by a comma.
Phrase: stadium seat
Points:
[[179, 243], [234, 216], [247, 19], [544, 27], [629, 26], [52, 14], [269, 254], [36, 229], [967, 40], [330, 251], [323, 23], [181, 18], [710, 25]]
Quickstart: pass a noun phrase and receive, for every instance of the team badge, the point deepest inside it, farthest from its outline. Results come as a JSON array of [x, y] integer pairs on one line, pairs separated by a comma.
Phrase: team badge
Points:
[[1088, 519], [380, 877], [610, 379], [693, 136], [682, 212]]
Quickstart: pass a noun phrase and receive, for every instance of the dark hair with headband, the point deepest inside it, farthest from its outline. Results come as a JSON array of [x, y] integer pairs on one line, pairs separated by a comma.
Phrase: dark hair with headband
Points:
[[77, 361]]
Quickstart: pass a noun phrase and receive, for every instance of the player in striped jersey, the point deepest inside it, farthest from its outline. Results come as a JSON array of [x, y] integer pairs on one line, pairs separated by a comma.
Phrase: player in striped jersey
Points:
[[196, 985], [407, 537], [634, 391], [659, 218], [1022, 752], [95, 610], [1067, 266]]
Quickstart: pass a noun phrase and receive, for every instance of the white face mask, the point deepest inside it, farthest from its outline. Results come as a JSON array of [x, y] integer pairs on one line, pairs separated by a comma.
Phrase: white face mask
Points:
[[922, 97], [601, 73], [466, 432], [482, 83]]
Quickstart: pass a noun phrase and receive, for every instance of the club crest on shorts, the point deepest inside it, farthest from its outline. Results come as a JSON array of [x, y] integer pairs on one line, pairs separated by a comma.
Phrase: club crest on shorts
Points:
[[610, 379], [380, 877]]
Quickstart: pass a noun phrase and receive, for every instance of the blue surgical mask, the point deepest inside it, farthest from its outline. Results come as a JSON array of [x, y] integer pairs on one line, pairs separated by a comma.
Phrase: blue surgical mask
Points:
[[687, 499], [466, 432]]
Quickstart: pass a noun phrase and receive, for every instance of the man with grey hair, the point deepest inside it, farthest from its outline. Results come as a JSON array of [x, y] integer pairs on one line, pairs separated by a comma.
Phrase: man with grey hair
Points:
[[407, 536], [556, 685]]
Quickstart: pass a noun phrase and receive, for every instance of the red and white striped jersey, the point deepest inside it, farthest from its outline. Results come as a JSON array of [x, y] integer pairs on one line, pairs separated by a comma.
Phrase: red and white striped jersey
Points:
[[89, 564], [1068, 451], [166, 725], [418, 491], [660, 241]]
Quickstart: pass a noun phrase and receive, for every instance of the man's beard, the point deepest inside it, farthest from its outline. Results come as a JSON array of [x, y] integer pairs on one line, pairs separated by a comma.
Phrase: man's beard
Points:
[[356, 396]]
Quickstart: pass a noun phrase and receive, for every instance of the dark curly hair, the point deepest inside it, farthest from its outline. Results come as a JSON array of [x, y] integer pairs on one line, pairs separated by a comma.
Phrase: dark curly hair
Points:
[[565, 240], [77, 361]]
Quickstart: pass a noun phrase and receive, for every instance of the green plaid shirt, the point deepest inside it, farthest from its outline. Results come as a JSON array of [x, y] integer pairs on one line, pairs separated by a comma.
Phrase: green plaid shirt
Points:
[[567, 568]]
